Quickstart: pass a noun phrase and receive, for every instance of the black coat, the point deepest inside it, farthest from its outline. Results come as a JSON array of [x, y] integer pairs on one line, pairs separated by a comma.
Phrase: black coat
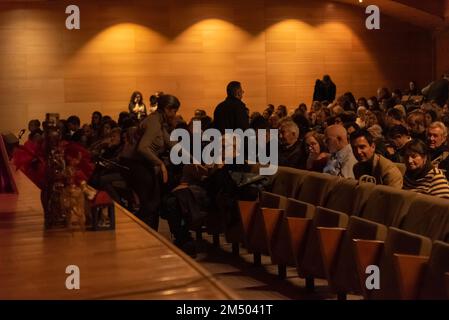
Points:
[[232, 113], [439, 91]]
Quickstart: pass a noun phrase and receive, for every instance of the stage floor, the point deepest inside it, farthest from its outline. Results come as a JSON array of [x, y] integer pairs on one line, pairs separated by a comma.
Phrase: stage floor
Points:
[[132, 262]]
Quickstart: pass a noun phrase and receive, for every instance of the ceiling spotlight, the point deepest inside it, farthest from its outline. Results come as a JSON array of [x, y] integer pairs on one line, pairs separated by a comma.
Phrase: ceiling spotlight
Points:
[[360, 1]]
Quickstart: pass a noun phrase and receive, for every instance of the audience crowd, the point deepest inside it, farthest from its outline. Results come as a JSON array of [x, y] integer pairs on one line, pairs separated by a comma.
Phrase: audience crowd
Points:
[[397, 138]]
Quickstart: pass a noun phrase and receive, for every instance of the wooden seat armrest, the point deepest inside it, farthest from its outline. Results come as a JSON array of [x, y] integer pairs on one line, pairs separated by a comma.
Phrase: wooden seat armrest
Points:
[[410, 270], [330, 240]]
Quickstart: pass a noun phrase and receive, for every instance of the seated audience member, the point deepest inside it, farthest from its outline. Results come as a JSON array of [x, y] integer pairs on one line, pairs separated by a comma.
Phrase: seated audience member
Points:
[[315, 151], [290, 153], [274, 121], [351, 127], [281, 111], [394, 117], [437, 142], [416, 122], [74, 133], [268, 111], [383, 170], [88, 136], [34, 125], [95, 123], [361, 116], [342, 159], [399, 136], [421, 176], [413, 89]]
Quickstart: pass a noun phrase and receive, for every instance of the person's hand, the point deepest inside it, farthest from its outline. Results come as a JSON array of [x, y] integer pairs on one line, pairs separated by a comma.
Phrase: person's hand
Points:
[[164, 173]]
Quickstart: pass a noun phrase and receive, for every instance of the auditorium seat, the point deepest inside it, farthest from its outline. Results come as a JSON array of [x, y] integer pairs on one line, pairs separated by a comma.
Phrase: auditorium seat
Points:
[[316, 188], [288, 181], [381, 254], [387, 205], [362, 193], [308, 257], [278, 235], [428, 216], [336, 245], [341, 197], [421, 277], [253, 229]]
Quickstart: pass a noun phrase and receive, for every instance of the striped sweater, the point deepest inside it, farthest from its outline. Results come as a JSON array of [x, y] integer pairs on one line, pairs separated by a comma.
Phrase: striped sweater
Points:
[[434, 183]]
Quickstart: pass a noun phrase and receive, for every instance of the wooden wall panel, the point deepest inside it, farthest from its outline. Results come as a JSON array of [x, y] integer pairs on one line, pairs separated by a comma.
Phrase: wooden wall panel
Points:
[[442, 53], [193, 48]]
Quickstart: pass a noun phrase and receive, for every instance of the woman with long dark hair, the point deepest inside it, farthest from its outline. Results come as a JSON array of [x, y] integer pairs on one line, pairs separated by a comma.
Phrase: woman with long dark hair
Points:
[[421, 176], [137, 106]]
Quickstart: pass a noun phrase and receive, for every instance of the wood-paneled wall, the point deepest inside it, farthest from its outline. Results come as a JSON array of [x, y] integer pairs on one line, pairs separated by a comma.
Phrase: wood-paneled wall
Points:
[[442, 52], [193, 48]]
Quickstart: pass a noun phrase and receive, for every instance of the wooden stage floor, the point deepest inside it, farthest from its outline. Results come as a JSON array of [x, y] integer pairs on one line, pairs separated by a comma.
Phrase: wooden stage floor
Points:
[[132, 262]]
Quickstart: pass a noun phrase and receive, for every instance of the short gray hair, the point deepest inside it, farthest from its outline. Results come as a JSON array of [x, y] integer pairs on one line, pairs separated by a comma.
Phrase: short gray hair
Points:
[[439, 124], [291, 125]]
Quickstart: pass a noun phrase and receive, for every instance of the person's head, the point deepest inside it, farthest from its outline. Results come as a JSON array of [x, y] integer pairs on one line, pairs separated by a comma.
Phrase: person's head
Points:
[[363, 145], [259, 122], [436, 135], [34, 125], [288, 132], [314, 143], [397, 94], [281, 111], [351, 127], [116, 134], [393, 118], [373, 103], [122, 117], [267, 113], [36, 136], [73, 123], [371, 119], [96, 119], [430, 116], [106, 128], [303, 108], [362, 102], [399, 136], [416, 122], [136, 98], [412, 86], [383, 93], [87, 130], [234, 89], [361, 113], [273, 121], [316, 106], [199, 113], [168, 105], [336, 138], [417, 155], [327, 79]]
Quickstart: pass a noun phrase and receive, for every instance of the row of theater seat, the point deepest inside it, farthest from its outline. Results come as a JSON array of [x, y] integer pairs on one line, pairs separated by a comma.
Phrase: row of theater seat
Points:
[[333, 228]]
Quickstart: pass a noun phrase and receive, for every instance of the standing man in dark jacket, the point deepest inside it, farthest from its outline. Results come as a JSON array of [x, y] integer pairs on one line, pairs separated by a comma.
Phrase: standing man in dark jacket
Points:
[[232, 113], [438, 90], [329, 88]]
